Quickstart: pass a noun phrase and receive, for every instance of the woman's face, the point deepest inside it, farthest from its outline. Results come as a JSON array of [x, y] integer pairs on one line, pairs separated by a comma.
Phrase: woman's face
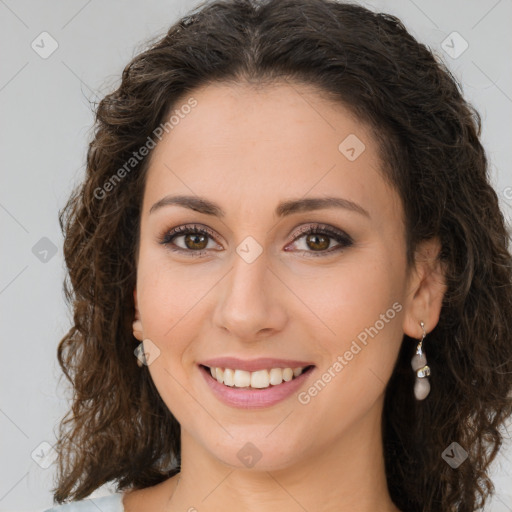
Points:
[[255, 286]]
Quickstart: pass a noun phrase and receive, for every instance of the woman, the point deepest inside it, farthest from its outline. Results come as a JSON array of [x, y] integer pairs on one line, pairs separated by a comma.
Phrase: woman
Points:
[[289, 272]]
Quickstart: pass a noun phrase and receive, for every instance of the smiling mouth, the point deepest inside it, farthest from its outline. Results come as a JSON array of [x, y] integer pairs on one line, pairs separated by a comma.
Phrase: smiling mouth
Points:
[[261, 379]]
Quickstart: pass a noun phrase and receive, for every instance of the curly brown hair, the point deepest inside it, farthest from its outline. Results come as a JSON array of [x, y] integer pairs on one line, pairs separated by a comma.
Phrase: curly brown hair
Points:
[[118, 428]]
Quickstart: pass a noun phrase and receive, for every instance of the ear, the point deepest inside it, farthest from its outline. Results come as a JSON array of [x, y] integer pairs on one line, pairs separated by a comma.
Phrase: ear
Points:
[[137, 324], [426, 286]]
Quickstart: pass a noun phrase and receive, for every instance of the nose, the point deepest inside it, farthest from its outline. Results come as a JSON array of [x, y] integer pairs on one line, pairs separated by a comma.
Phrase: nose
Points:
[[251, 301]]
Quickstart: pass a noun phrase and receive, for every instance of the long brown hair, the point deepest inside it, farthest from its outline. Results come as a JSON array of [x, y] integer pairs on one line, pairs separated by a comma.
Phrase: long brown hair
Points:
[[118, 428]]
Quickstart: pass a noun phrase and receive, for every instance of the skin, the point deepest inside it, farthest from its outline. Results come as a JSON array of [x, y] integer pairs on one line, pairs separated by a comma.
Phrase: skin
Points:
[[247, 149]]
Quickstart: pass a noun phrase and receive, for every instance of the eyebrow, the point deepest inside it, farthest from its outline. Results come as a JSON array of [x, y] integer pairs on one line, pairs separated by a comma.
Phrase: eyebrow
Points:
[[289, 207]]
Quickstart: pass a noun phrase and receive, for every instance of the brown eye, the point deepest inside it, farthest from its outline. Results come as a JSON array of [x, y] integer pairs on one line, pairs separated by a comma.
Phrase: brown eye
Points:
[[318, 242], [195, 241]]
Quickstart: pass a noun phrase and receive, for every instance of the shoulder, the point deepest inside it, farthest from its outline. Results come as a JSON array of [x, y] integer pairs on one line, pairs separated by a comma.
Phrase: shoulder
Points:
[[111, 503]]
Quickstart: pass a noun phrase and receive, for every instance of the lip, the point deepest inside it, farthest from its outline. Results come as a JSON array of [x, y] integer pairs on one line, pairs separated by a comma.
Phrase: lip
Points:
[[248, 398], [253, 365]]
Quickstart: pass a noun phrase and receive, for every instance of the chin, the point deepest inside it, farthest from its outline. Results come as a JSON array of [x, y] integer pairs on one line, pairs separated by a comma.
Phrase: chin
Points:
[[251, 449]]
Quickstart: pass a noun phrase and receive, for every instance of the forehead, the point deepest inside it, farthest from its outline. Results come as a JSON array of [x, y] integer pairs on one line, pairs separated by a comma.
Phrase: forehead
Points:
[[263, 144]]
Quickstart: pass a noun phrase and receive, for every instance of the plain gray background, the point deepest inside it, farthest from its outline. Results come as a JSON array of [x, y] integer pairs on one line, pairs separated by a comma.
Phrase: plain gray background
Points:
[[46, 126]]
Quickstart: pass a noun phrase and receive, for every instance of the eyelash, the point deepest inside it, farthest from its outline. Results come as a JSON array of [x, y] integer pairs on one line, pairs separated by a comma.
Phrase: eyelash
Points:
[[339, 236]]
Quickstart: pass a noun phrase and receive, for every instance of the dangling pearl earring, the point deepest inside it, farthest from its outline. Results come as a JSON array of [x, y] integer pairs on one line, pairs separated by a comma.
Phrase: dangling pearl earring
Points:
[[419, 365], [140, 355], [139, 351]]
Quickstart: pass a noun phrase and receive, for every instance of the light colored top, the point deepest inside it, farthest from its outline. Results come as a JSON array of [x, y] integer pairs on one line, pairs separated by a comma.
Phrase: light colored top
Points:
[[111, 503]]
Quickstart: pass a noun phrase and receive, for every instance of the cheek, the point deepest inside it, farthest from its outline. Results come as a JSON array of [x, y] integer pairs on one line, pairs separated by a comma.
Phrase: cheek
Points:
[[168, 292], [173, 302], [353, 294], [167, 296], [361, 306]]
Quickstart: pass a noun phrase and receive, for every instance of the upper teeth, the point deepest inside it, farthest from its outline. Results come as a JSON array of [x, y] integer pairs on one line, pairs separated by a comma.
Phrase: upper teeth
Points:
[[258, 379]]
